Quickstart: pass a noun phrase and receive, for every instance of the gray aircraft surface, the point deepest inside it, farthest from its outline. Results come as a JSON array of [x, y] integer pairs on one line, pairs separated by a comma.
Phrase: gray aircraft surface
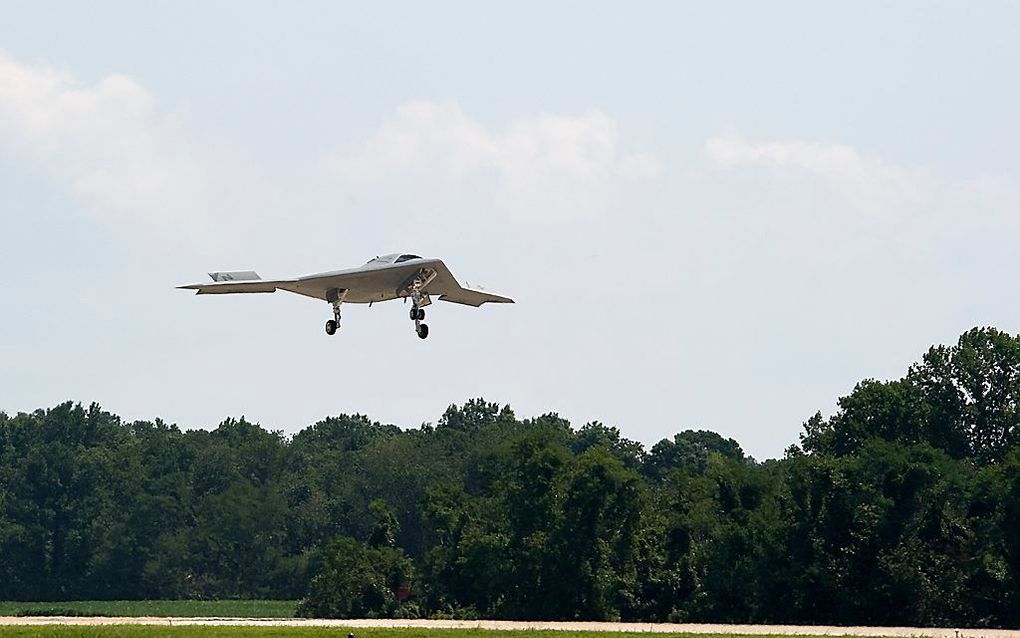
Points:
[[397, 276]]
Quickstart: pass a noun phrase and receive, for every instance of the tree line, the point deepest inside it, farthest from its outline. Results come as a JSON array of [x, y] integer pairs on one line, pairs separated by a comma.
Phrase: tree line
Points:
[[901, 508]]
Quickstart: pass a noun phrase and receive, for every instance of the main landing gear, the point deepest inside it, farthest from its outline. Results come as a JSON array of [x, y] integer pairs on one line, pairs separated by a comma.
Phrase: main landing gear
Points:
[[417, 315], [419, 298]]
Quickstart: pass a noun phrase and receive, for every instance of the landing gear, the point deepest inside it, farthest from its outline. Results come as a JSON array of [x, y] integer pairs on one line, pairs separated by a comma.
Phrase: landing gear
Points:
[[415, 289], [417, 314], [335, 298], [334, 324]]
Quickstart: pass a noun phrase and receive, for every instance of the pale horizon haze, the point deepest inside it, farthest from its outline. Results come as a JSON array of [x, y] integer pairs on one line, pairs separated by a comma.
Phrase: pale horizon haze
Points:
[[713, 216]]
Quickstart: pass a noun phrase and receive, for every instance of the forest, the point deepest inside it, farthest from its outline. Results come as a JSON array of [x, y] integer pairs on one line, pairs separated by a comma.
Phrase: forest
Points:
[[902, 507]]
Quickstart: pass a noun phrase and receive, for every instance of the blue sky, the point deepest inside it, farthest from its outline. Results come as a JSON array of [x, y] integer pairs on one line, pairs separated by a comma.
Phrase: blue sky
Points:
[[717, 216]]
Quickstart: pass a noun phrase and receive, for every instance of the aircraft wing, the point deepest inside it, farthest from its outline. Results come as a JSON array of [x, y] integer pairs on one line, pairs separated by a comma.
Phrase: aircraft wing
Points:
[[473, 296], [232, 282], [449, 289]]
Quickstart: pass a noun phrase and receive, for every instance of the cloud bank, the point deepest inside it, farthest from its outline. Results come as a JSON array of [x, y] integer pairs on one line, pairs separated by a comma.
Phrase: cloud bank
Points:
[[538, 168], [869, 184], [117, 153], [835, 202]]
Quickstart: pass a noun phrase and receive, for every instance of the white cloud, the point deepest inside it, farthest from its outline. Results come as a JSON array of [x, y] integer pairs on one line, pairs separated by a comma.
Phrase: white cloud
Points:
[[867, 183], [834, 203], [544, 167], [119, 155]]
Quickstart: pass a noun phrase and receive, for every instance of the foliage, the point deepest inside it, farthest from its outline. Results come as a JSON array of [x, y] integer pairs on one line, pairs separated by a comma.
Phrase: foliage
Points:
[[902, 507], [356, 581]]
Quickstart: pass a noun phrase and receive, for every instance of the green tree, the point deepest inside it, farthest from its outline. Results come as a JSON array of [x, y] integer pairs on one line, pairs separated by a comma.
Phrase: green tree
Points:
[[973, 389], [357, 581], [893, 411], [688, 452], [595, 434], [595, 541]]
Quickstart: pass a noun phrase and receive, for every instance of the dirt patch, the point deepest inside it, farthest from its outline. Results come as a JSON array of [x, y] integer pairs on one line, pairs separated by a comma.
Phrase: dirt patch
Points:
[[746, 630]]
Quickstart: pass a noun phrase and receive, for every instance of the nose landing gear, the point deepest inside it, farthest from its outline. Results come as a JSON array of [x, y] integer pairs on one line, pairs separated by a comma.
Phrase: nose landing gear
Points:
[[335, 298], [334, 324]]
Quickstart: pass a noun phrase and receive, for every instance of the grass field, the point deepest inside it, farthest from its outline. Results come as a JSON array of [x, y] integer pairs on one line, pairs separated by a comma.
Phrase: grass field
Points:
[[162, 608]]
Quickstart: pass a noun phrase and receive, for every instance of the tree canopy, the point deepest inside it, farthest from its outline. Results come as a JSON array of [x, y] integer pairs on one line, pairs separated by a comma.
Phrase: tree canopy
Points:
[[902, 507]]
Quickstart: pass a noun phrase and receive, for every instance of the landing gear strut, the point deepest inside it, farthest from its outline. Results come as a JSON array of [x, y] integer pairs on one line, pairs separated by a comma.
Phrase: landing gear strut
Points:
[[417, 314], [334, 324], [415, 289], [335, 298]]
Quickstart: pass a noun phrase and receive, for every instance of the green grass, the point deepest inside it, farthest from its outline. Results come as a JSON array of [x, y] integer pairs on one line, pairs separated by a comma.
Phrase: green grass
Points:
[[181, 608], [139, 631]]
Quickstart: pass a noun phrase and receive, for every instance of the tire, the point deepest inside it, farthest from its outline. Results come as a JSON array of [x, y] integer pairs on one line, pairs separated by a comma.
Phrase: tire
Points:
[[423, 331], [413, 313], [421, 314], [331, 327]]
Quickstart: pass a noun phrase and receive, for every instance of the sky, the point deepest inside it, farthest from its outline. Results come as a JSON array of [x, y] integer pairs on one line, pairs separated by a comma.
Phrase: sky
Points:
[[711, 216]]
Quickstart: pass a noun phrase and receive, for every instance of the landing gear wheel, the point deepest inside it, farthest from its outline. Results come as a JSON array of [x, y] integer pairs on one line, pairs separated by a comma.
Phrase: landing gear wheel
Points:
[[414, 313], [331, 327], [422, 330], [421, 314]]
